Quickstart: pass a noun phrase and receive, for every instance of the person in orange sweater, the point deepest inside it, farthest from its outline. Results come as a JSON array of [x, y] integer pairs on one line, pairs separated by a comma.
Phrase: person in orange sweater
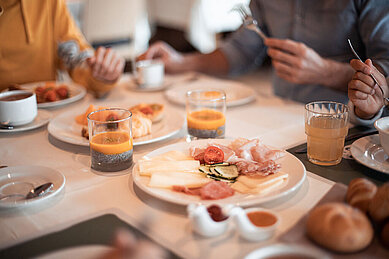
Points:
[[30, 33]]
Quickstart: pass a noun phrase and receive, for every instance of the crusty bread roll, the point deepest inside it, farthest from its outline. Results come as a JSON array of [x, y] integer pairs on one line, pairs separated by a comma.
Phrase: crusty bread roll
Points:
[[360, 192], [141, 125], [339, 227], [379, 205], [385, 235]]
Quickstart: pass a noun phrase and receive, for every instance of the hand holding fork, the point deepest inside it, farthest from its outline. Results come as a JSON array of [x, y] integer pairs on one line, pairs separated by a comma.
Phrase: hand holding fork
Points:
[[248, 21]]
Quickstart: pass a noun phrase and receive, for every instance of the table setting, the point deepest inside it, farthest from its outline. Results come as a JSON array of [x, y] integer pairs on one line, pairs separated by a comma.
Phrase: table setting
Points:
[[131, 182]]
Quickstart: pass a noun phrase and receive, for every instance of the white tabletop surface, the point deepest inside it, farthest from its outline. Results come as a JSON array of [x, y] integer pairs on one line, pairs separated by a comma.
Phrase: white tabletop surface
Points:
[[277, 122]]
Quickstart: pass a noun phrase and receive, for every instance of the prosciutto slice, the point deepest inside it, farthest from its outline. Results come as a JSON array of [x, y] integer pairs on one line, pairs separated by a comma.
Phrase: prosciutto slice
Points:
[[214, 190]]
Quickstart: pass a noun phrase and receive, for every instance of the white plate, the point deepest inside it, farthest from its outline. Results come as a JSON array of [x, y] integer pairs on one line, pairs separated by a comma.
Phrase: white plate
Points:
[[129, 81], [41, 119], [65, 128], [85, 252], [284, 250], [76, 92], [236, 93], [289, 164], [36, 175], [369, 152]]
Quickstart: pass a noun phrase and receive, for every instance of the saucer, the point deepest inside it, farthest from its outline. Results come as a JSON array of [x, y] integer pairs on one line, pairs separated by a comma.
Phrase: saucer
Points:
[[132, 85], [32, 175], [41, 119], [369, 152]]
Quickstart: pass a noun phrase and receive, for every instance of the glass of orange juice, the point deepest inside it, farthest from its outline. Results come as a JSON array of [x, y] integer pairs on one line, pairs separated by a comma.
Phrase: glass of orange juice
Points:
[[326, 126], [110, 139], [205, 113]]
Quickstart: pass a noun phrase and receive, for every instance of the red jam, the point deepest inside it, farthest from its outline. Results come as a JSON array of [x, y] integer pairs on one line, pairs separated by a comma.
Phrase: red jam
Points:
[[216, 213]]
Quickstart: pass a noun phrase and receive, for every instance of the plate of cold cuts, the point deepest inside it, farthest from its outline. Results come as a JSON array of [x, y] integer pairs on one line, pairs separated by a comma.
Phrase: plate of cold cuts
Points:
[[230, 171]]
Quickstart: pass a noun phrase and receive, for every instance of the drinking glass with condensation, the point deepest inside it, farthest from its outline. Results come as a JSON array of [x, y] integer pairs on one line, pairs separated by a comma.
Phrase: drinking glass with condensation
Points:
[[326, 126], [110, 139], [205, 113]]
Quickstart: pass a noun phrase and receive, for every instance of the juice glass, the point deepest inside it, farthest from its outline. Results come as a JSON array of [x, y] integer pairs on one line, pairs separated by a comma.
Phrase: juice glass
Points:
[[326, 126], [205, 113], [110, 139]]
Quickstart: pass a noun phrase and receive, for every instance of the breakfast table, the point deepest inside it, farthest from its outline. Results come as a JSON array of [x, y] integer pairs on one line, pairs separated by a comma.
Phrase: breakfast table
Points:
[[92, 205]]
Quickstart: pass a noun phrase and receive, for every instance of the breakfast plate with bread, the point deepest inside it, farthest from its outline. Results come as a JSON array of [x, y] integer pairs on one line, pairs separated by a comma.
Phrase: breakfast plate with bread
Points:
[[165, 173], [150, 123], [369, 152]]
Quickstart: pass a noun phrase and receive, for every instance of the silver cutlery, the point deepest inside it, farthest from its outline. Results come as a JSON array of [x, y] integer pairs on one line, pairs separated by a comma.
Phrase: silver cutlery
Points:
[[248, 21], [386, 100], [7, 127], [33, 193]]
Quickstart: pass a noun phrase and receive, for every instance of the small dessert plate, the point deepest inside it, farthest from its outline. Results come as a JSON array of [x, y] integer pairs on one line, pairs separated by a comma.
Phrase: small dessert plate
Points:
[[369, 152], [22, 179]]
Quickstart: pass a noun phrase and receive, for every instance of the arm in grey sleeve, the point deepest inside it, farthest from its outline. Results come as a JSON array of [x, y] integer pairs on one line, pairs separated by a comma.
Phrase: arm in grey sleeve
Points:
[[374, 30]]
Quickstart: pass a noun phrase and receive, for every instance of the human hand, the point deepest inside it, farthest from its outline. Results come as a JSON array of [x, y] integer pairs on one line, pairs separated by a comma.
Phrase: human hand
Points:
[[106, 65], [363, 92], [126, 246], [295, 62], [172, 59]]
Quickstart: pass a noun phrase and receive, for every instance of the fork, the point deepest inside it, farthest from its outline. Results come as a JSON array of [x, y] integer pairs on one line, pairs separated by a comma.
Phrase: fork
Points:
[[386, 100], [248, 21]]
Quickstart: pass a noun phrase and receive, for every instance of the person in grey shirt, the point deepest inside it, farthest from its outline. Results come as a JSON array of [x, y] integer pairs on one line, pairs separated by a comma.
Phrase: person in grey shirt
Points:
[[307, 45]]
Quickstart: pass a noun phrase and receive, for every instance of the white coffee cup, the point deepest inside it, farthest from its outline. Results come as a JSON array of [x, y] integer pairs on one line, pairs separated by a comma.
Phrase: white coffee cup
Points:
[[149, 73], [382, 125], [17, 107]]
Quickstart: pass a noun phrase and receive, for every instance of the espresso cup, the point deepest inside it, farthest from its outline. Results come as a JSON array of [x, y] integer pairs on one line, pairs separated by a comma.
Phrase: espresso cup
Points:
[[17, 107], [149, 73]]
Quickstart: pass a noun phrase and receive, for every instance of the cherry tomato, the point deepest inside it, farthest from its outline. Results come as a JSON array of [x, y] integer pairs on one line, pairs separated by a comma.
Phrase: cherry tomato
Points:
[[146, 110], [213, 155]]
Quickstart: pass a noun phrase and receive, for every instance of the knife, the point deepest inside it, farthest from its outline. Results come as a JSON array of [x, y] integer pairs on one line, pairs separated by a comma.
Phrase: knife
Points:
[[350, 137]]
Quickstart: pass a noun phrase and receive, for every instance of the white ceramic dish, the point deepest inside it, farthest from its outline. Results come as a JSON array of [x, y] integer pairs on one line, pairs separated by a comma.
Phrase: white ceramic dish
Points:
[[289, 164], [65, 128], [41, 119], [236, 93], [76, 93], [382, 125], [18, 112], [36, 175], [284, 250], [369, 152], [129, 81]]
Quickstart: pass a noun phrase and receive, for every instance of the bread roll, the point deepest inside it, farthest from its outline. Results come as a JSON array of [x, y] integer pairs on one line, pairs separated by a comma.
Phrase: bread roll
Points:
[[379, 205], [360, 192], [385, 235], [339, 227]]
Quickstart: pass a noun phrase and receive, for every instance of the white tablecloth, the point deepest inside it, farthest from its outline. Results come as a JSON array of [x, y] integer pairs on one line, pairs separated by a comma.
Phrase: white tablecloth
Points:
[[277, 122]]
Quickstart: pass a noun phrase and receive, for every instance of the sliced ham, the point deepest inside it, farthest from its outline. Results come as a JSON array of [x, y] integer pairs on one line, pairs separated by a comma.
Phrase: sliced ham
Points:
[[252, 168], [214, 190], [186, 190]]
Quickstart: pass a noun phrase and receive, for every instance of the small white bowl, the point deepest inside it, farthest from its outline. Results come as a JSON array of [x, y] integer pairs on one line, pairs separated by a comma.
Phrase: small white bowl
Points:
[[250, 231], [20, 111], [382, 125], [203, 224]]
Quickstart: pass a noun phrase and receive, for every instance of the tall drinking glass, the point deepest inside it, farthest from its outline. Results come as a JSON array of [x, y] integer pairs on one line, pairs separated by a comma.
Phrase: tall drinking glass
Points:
[[205, 113], [326, 126], [110, 139]]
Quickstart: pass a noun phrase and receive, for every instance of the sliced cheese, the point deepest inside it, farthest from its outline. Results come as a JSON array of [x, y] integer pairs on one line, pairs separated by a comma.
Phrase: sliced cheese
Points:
[[259, 184], [258, 181], [147, 167], [167, 180], [171, 156]]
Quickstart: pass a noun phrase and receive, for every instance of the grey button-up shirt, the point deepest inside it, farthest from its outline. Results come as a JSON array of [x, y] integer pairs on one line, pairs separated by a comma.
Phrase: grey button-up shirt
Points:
[[323, 25]]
